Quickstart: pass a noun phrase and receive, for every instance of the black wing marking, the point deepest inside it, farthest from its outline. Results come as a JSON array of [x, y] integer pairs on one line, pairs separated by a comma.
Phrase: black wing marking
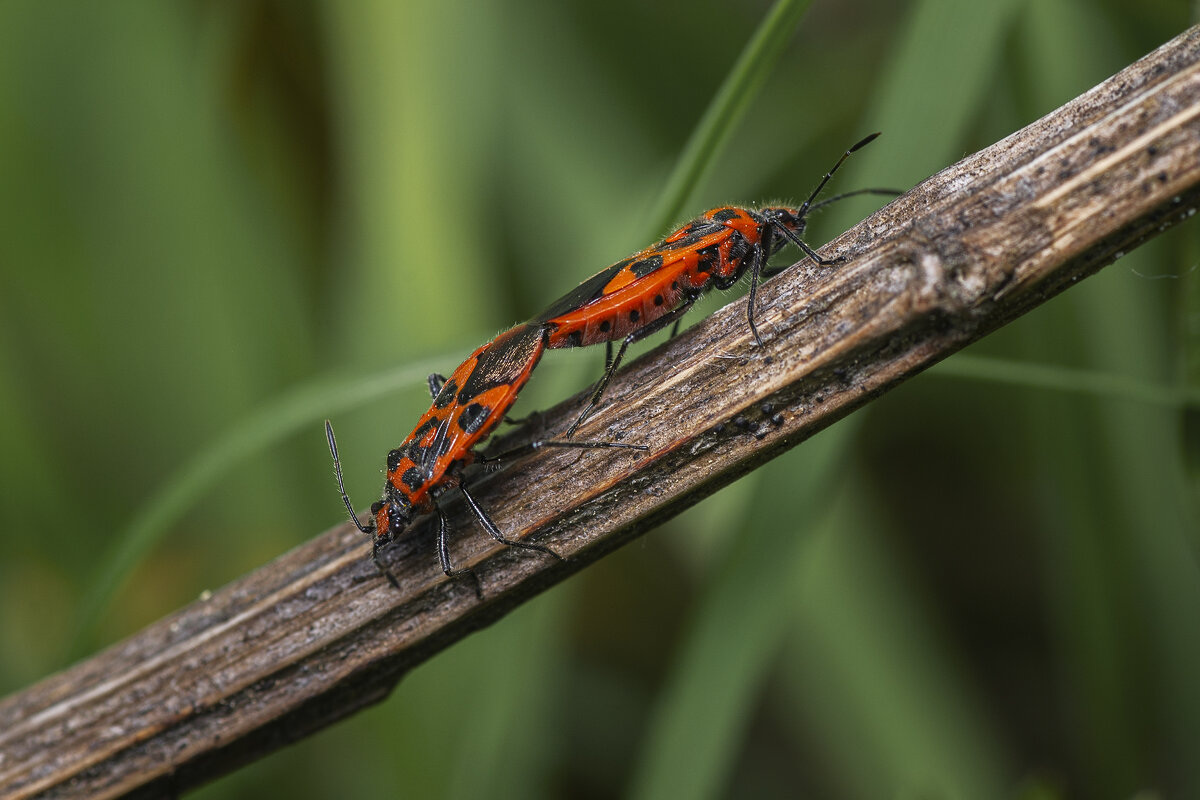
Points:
[[586, 292], [503, 361]]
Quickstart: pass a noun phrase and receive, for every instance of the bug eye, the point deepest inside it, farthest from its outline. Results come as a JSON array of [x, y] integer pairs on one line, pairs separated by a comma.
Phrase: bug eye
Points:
[[786, 218]]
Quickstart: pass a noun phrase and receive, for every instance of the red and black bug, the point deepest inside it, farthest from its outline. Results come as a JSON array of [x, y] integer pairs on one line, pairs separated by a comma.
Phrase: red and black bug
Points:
[[466, 407], [643, 294], [629, 301]]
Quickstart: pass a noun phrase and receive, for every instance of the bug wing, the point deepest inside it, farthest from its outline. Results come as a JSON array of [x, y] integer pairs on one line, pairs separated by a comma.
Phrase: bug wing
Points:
[[499, 371], [614, 278], [584, 294]]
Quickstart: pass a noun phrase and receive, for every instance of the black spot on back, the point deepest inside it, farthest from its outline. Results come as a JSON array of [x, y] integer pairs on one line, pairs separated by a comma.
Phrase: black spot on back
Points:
[[437, 448], [646, 266], [709, 258], [694, 233], [446, 395], [413, 478], [473, 417]]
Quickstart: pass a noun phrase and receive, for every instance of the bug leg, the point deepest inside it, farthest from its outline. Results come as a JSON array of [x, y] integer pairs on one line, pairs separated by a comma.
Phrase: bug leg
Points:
[[770, 272], [436, 382], [444, 554], [495, 533], [634, 337], [761, 252], [383, 569], [795, 239], [594, 400]]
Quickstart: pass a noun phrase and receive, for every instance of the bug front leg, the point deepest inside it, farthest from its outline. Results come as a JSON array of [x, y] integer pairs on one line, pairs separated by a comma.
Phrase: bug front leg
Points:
[[761, 253], [795, 239], [383, 568]]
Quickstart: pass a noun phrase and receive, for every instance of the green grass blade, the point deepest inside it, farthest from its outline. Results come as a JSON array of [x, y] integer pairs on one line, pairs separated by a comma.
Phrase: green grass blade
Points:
[[1125, 582], [696, 735], [512, 744], [310, 403], [698, 728], [726, 110], [870, 681], [305, 405], [931, 91], [1102, 385]]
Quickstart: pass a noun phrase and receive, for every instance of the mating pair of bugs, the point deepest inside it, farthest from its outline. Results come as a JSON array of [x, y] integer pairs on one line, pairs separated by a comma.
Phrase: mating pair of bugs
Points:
[[626, 302]]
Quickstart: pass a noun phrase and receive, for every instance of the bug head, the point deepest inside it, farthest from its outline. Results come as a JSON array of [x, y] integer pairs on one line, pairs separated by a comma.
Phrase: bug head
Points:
[[390, 515], [793, 219]]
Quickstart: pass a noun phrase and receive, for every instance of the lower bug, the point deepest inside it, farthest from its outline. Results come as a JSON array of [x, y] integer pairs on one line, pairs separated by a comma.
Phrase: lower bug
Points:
[[466, 407]]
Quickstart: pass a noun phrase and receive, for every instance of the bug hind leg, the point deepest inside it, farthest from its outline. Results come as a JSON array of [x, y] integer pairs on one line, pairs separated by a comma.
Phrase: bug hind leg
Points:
[[494, 531]]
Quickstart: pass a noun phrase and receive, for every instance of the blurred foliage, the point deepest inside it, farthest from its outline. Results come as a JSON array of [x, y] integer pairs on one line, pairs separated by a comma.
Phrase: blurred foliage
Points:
[[971, 589]]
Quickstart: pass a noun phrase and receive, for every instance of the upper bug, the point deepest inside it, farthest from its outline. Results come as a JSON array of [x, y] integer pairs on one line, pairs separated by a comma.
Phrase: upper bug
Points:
[[653, 288]]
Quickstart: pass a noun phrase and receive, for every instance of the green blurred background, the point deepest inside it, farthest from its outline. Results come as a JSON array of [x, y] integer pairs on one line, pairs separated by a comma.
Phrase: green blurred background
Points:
[[223, 221]]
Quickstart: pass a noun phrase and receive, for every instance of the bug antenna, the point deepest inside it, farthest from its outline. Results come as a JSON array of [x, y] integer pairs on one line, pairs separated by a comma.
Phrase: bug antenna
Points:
[[804, 209], [337, 470], [830, 200]]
